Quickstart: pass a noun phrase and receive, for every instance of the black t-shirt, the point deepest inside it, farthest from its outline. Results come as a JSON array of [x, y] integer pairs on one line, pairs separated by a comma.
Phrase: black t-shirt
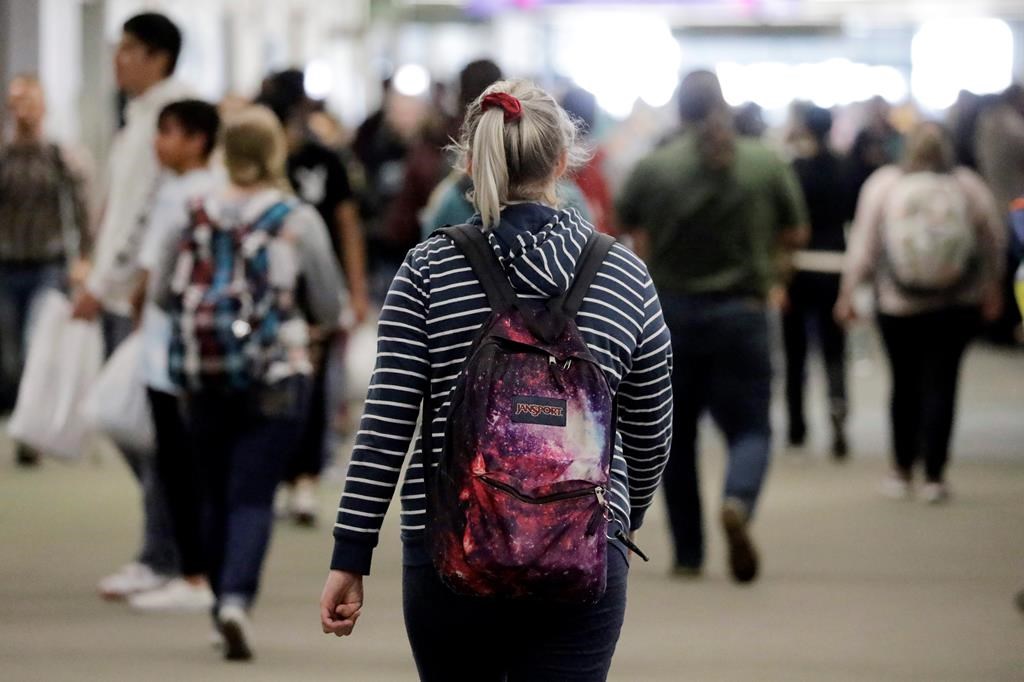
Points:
[[826, 189], [319, 178]]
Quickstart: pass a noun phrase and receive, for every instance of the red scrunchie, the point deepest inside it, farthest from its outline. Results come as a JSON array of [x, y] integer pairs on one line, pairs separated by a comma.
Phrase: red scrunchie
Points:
[[512, 107]]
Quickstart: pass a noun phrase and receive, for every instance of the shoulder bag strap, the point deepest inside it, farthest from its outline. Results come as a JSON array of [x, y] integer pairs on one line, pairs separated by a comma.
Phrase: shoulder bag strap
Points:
[[594, 253]]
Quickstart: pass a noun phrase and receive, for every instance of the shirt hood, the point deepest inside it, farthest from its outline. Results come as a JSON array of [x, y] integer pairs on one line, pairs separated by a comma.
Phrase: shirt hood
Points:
[[538, 247]]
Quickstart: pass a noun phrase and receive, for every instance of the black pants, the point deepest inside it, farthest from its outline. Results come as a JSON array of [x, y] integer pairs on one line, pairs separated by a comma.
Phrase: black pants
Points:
[[812, 297], [924, 354], [467, 639], [307, 458], [178, 469]]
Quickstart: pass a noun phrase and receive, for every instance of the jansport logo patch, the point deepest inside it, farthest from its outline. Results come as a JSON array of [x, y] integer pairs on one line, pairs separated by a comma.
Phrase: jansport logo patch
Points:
[[536, 410]]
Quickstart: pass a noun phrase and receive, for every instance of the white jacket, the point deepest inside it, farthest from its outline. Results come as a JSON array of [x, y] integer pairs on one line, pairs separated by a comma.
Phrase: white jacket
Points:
[[133, 177]]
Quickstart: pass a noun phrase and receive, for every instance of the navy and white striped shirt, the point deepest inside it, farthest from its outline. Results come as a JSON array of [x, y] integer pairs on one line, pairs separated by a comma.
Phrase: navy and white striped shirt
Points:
[[429, 320]]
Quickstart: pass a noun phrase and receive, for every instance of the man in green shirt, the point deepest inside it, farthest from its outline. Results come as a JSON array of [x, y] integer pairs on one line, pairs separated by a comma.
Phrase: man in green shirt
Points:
[[712, 214]]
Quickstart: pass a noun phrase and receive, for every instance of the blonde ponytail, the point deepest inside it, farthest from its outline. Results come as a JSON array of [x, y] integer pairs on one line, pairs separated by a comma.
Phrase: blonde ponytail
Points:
[[490, 166], [512, 155]]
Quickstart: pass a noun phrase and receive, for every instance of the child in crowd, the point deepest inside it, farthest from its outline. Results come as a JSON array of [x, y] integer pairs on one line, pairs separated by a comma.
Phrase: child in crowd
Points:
[[240, 350], [186, 135]]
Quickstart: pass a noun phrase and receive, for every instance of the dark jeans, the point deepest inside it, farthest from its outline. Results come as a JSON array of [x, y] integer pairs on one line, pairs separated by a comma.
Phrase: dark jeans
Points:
[[456, 638], [19, 287], [243, 441], [812, 297], [178, 469], [924, 354], [159, 548], [722, 365]]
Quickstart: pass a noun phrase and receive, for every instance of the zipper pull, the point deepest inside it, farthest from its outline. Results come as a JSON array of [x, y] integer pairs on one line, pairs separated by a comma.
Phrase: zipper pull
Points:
[[552, 360], [624, 539]]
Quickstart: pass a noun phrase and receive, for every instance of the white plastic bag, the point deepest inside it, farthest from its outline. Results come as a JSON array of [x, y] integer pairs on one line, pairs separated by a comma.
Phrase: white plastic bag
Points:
[[117, 404], [64, 358], [360, 358]]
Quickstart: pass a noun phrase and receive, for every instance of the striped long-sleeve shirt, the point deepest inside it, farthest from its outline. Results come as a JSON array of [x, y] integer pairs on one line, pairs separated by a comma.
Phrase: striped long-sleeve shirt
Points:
[[430, 317]]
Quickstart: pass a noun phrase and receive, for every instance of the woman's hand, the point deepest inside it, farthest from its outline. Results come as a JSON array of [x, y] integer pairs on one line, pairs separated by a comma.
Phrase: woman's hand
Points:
[[341, 603]]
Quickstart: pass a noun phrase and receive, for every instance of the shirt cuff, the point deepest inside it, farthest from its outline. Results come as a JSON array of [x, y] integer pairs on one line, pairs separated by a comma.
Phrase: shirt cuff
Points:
[[636, 519], [350, 556]]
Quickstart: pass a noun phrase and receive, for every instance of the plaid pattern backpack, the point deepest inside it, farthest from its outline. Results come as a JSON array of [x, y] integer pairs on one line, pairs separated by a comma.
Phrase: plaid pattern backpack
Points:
[[517, 503], [227, 314]]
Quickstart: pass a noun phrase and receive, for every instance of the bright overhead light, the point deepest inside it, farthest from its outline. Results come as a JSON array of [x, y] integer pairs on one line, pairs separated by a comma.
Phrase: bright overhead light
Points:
[[950, 55], [318, 79], [644, 64], [411, 80], [834, 82]]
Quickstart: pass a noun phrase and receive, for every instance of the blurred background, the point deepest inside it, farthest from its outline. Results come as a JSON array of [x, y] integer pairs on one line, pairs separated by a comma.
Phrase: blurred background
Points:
[[857, 589], [920, 56]]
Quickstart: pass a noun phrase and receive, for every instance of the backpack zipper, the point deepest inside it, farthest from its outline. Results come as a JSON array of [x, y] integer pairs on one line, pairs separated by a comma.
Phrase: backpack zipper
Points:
[[598, 491]]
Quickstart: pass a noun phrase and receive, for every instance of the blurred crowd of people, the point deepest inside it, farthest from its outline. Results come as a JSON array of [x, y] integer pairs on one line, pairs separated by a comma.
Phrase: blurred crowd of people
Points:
[[732, 227]]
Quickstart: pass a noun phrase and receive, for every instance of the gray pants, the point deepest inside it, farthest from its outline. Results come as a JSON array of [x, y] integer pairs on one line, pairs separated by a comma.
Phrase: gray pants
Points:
[[159, 550]]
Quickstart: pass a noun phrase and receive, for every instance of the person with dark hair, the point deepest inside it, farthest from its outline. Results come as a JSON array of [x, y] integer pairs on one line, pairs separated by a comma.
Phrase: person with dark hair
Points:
[[749, 120], [143, 64], [814, 288], [708, 212], [186, 135], [381, 151], [319, 178], [929, 238], [44, 228], [427, 164]]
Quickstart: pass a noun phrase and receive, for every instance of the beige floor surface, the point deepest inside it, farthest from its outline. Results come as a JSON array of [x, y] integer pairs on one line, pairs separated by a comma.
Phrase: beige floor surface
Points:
[[855, 588]]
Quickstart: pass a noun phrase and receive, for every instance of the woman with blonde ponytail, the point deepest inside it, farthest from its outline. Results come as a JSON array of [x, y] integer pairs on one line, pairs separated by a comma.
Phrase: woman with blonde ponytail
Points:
[[516, 143]]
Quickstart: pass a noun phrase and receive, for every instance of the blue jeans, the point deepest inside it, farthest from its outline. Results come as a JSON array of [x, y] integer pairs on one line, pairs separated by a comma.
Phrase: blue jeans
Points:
[[468, 639], [243, 442], [20, 285], [722, 364]]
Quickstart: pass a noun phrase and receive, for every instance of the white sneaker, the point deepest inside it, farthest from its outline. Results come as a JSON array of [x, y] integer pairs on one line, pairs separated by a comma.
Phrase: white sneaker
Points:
[[896, 488], [179, 595], [130, 579], [935, 493], [234, 626], [304, 504], [282, 501]]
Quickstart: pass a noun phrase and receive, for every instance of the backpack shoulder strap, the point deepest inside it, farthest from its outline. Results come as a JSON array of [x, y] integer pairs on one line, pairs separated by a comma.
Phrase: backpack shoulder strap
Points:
[[471, 241], [594, 253], [273, 218]]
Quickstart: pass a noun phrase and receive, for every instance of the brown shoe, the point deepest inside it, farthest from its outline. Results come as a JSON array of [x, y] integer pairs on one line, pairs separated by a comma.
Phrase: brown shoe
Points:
[[743, 559]]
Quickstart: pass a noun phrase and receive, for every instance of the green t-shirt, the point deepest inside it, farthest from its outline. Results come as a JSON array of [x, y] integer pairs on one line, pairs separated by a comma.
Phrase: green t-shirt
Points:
[[712, 232]]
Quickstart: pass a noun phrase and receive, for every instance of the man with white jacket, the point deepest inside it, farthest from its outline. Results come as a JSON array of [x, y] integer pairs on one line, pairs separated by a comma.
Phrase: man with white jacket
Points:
[[144, 63]]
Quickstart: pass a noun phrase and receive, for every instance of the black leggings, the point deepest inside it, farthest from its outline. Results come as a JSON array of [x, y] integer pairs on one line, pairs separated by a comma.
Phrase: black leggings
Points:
[[467, 639], [924, 353], [811, 299]]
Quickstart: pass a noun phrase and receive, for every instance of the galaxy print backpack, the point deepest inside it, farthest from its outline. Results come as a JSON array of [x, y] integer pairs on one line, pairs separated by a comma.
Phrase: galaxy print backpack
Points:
[[517, 503]]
